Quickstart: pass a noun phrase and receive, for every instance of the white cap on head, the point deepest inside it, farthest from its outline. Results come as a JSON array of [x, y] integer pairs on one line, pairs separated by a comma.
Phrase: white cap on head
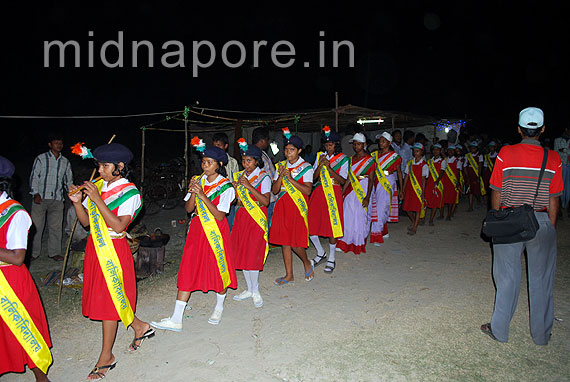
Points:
[[386, 135], [531, 118], [358, 137]]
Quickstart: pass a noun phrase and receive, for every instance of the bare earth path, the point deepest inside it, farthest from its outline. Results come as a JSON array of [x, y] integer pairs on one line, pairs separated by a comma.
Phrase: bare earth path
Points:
[[407, 311]]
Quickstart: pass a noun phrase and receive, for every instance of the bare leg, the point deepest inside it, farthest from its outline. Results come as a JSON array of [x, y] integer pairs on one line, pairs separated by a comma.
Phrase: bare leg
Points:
[[470, 202], [417, 222], [302, 254], [412, 217], [40, 375], [140, 328], [288, 261], [106, 357], [431, 216], [183, 295], [332, 240]]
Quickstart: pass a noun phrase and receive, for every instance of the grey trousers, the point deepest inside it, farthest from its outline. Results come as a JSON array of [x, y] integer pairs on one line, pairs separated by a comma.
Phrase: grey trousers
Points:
[[541, 264], [51, 212]]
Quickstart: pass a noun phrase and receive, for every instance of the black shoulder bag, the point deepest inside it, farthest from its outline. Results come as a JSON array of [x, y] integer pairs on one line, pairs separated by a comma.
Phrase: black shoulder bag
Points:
[[514, 224]]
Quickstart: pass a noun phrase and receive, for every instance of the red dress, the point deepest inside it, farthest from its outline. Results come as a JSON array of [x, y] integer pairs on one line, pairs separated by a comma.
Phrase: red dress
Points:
[[319, 219], [199, 267], [449, 190], [97, 303], [411, 200], [472, 180], [287, 225], [13, 358], [248, 241], [434, 199]]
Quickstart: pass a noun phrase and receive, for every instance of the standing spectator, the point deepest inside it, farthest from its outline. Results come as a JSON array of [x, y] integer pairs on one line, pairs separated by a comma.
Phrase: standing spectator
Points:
[[50, 178], [346, 141], [309, 156], [260, 138], [397, 141], [562, 147], [406, 148], [513, 184], [221, 140]]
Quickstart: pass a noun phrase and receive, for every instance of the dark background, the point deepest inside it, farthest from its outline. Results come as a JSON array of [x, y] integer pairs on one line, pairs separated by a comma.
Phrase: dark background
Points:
[[445, 59]]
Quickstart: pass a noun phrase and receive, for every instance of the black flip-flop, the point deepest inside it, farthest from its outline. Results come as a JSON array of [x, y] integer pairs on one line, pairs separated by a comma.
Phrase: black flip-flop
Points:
[[96, 371], [486, 328], [148, 334]]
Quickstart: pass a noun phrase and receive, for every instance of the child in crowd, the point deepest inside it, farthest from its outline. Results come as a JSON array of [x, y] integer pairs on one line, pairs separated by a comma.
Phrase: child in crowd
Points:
[[451, 187], [434, 186], [414, 185], [289, 228], [19, 295], [357, 193], [325, 207], [207, 260], [221, 140], [250, 233]]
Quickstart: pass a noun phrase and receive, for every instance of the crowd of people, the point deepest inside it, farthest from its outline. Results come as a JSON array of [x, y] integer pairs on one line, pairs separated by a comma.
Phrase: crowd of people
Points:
[[346, 199]]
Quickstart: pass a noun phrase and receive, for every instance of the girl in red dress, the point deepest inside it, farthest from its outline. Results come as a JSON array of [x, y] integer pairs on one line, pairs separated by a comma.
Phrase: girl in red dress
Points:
[[119, 203], [200, 268], [14, 225], [451, 188], [288, 227], [248, 238], [336, 163], [412, 203], [434, 196]]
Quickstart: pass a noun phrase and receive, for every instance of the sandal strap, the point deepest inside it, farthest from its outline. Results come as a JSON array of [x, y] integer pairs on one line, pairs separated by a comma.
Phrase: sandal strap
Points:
[[331, 262]]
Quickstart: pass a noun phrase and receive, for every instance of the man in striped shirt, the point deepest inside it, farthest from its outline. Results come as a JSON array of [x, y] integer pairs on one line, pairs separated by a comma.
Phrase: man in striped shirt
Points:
[[260, 138], [50, 178], [513, 183]]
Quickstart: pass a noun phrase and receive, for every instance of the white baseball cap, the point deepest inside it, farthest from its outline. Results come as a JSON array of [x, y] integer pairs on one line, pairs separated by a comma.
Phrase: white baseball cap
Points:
[[386, 135], [358, 137], [531, 118]]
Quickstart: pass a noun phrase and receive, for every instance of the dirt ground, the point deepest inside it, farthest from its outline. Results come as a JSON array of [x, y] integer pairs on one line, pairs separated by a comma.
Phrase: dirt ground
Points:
[[409, 310]]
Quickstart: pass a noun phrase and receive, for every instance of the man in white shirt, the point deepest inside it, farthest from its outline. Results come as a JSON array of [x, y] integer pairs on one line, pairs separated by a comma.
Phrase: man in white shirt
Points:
[[50, 178], [221, 140]]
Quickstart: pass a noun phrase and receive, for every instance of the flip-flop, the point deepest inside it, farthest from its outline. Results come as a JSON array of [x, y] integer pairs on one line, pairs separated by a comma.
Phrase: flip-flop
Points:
[[308, 276], [96, 371], [281, 281], [148, 334]]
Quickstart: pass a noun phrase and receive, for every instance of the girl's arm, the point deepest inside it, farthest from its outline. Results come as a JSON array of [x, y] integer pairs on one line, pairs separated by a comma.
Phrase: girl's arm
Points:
[[12, 256], [400, 182], [339, 179], [197, 190], [305, 187], [263, 199], [79, 209]]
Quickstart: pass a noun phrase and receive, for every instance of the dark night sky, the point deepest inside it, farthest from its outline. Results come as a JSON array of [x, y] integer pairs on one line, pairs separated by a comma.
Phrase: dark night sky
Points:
[[446, 59]]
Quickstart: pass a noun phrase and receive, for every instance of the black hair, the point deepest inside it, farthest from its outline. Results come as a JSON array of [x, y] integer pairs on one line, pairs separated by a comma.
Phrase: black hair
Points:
[[54, 136], [124, 173], [420, 137], [337, 147], [396, 131], [221, 137], [6, 185], [407, 135], [531, 133], [259, 134], [258, 161], [222, 170]]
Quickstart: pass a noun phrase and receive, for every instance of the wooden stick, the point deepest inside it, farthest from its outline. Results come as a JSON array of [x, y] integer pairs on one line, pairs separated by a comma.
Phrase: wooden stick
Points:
[[82, 187], [63, 266]]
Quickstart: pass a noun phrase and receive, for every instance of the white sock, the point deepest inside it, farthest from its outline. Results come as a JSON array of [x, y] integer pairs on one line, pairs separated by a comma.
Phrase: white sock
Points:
[[248, 281], [178, 312], [317, 243], [332, 248], [220, 301], [254, 277]]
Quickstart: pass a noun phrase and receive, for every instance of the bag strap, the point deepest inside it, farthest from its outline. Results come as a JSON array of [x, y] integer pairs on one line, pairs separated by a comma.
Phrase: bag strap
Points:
[[542, 168]]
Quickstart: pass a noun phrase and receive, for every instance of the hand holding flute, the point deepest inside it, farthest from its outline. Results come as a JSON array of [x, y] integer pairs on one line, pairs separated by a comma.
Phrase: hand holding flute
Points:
[[89, 188], [192, 182]]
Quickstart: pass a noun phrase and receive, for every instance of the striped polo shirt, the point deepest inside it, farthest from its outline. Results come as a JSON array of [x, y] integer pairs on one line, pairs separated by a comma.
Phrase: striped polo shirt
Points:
[[50, 176], [516, 175]]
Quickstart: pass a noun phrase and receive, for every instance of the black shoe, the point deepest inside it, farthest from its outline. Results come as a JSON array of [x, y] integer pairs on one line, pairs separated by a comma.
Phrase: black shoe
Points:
[[486, 328]]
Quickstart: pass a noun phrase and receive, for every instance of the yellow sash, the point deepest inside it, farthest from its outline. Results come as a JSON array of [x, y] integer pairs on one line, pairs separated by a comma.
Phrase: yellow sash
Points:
[[17, 318], [476, 170], [253, 210], [298, 199], [453, 179], [358, 190], [109, 262], [490, 164], [214, 236], [415, 184], [434, 175], [330, 197], [381, 176]]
